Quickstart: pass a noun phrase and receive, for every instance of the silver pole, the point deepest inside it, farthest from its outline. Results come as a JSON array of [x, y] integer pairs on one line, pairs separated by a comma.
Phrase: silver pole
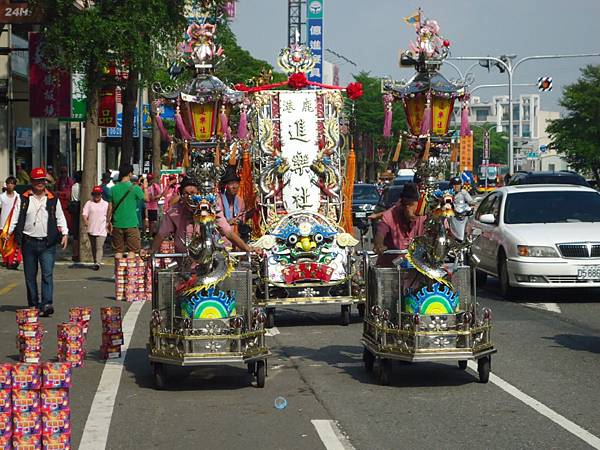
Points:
[[141, 126]]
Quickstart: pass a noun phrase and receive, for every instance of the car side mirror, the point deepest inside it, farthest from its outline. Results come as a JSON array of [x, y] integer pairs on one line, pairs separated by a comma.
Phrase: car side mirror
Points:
[[487, 218]]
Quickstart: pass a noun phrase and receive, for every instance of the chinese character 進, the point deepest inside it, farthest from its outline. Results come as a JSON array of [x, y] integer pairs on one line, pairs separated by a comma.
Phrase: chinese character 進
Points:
[[297, 131], [315, 45]]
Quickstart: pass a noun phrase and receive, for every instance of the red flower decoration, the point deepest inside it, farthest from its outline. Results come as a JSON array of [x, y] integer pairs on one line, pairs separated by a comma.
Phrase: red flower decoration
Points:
[[354, 91], [297, 80], [241, 87]]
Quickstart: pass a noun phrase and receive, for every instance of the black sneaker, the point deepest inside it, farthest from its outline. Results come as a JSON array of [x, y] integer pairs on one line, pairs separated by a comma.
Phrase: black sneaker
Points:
[[47, 311], [96, 267]]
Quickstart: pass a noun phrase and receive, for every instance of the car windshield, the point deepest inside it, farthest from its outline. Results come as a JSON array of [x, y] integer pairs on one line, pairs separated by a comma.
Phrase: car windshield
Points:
[[365, 193], [552, 207]]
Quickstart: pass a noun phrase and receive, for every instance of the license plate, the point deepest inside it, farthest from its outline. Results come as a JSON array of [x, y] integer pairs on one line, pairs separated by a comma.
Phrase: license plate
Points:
[[361, 215], [588, 273]]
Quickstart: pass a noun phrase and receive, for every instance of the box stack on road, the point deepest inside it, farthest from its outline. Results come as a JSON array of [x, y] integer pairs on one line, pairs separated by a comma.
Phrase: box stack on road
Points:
[[112, 332], [71, 344], [30, 334], [132, 276]]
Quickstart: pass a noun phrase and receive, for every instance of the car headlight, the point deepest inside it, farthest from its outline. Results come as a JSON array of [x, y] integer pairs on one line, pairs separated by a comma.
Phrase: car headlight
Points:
[[536, 251]]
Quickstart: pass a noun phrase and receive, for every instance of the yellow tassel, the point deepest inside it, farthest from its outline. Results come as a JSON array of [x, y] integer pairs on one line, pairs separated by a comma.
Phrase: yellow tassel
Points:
[[398, 149], [233, 157], [346, 222], [186, 155], [170, 154], [218, 155], [426, 152]]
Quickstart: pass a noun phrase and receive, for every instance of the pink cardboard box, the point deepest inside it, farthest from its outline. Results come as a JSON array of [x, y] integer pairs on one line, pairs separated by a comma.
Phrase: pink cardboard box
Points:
[[56, 422], [54, 400], [26, 376], [6, 376], [26, 401], [56, 375]]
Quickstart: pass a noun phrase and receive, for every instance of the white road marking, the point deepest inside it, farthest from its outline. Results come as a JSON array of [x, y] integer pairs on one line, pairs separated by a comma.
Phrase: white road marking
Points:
[[552, 307], [272, 331], [331, 436], [538, 406], [97, 426]]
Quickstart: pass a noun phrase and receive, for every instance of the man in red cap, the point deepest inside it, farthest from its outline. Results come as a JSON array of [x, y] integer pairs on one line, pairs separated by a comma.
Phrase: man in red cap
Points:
[[40, 227], [155, 192]]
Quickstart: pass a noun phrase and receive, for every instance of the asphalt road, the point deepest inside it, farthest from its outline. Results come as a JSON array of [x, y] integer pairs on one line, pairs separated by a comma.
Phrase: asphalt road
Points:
[[548, 348]]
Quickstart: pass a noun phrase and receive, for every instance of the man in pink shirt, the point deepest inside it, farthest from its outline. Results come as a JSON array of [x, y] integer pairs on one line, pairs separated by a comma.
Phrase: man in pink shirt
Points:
[[155, 192], [95, 217], [179, 221], [399, 225]]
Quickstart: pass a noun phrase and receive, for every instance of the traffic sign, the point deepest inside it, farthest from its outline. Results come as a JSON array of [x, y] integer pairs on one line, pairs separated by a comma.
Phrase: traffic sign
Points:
[[544, 84], [543, 148]]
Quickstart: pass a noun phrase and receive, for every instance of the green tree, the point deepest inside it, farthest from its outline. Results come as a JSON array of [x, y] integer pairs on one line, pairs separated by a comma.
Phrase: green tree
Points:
[[576, 135], [498, 145]]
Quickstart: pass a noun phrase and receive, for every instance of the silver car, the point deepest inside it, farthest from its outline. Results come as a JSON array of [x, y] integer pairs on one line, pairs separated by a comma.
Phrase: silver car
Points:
[[540, 236]]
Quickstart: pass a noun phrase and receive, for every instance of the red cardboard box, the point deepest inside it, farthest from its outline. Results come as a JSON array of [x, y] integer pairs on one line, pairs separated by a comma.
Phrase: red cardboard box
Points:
[[54, 400], [56, 441], [31, 330], [6, 376], [26, 376], [5, 401], [28, 315], [70, 332], [109, 340], [25, 423], [6, 442], [27, 442], [5, 424], [110, 314], [56, 375], [110, 352], [25, 401], [56, 422], [111, 327]]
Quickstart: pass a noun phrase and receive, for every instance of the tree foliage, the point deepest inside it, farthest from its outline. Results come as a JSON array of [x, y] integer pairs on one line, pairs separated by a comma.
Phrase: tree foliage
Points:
[[576, 135], [498, 145]]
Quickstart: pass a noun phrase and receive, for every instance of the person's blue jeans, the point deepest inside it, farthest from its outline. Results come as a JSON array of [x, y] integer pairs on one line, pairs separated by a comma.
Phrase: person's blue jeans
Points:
[[37, 253]]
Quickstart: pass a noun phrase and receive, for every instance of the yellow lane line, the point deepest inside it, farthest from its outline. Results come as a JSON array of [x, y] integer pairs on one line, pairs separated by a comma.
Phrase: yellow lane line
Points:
[[7, 289]]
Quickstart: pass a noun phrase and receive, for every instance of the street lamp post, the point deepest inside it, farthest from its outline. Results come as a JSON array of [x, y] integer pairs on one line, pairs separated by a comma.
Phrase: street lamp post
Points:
[[506, 62]]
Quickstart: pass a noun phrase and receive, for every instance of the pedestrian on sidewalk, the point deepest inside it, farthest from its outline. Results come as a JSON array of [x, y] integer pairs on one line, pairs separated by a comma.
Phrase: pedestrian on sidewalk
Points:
[[95, 217], [155, 192], [40, 227], [123, 198], [10, 202], [74, 208]]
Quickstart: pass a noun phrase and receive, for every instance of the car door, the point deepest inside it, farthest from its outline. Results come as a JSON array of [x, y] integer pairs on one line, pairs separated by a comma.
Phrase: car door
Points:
[[484, 245]]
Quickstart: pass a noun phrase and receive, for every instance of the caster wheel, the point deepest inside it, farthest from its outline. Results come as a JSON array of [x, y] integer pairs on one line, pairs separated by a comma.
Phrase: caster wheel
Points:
[[261, 374], [361, 310], [252, 368], [483, 368], [385, 372], [345, 315], [462, 365], [270, 318], [369, 360], [160, 375]]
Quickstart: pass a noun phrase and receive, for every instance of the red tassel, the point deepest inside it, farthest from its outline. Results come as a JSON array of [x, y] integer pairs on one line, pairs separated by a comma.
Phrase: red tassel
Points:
[[185, 134], [465, 129], [243, 126], [225, 124], [426, 123], [387, 115]]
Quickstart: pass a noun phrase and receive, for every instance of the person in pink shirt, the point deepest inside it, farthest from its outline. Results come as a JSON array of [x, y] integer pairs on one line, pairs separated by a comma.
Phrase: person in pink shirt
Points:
[[95, 217], [399, 225], [179, 221], [155, 192], [170, 193]]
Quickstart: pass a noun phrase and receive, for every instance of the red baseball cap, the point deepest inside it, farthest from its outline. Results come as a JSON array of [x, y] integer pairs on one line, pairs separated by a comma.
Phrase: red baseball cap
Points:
[[150, 176], [97, 190], [39, 173]]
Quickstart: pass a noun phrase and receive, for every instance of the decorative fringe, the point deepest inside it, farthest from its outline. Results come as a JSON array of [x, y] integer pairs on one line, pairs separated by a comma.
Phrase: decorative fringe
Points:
[[190, 118], [225, 124], [465, 129], [169, 160], [346, 222], [426, 151], [161, 128], [454, 152], [426, 123], [243, 126], [247, 192], [421, 204], [233, 156], [398, 150], [186, 155], [387, 115], [218, 155], [181, 127]]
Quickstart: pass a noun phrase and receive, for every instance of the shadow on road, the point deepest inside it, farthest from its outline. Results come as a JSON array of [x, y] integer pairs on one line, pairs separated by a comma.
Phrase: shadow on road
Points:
[[557, 295], [404, 374], [578, 342], [187, 378], [11, 308], [290, 317]]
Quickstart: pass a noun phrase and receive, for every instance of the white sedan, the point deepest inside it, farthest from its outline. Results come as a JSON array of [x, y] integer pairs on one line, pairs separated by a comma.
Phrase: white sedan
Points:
[[540, 236]]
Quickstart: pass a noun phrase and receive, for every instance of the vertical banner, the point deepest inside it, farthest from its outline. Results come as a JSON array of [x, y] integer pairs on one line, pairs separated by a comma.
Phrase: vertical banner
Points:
[[49, 90], [107, 107], [314, 37], [78, 99], [466, 152]]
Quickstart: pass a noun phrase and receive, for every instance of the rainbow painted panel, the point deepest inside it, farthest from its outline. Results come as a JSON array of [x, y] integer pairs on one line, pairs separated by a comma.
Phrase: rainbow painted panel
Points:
[[209, 304], [439, 300]]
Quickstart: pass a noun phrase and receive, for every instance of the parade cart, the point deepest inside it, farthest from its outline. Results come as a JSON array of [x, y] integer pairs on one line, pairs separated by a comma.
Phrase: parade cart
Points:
[[302, 164], [448, 327], [228, 330], [421, 306]]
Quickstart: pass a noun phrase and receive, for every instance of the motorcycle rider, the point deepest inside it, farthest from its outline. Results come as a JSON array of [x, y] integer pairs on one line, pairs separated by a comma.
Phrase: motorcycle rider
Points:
[[463, 203]]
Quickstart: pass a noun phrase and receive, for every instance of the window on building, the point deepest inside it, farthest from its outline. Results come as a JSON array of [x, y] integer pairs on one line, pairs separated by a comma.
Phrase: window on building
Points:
[[481, 115], [516, 112], [526, 130], [551, 167], [516, 130]]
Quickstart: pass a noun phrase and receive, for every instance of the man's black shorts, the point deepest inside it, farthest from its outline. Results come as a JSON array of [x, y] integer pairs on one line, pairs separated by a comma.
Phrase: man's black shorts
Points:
[[152, 215]]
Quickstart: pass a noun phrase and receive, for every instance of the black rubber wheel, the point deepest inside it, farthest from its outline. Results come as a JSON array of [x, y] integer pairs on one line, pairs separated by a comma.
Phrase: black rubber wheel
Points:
[[462, 365], [505, 288], [160, 375], [252, 367], [480, 277], [361, 310], [261, 374], [385, 372], [270, 318], [483, 368], [368, 359], [345, 315]]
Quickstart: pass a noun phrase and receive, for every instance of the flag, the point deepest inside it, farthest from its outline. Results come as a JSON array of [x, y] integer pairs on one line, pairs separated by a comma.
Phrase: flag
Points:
[[415, 18]]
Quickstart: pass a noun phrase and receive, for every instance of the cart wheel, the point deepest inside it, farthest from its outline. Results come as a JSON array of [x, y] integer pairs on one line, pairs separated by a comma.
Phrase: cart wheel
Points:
[[270, 318], [385, 372], [261, 374], [345, 315], [252, 367], [462, 365], [483, 368], [369, 360], [361, 310], [160, 375]]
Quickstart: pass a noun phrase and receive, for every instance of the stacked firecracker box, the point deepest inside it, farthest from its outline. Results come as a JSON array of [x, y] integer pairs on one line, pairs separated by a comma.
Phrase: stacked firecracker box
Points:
[[71, 343], [131, 280], [29, 337], [112, 332], [34, 406]]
